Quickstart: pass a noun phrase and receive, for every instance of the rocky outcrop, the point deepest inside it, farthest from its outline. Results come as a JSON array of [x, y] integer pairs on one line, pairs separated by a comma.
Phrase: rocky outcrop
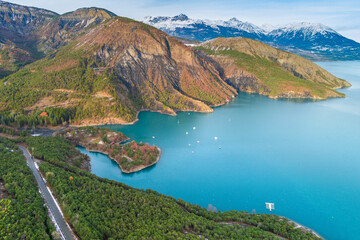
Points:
[[160, 68], [60, 30], [238, 78], [17, 23], [27, 33], [22, 20]]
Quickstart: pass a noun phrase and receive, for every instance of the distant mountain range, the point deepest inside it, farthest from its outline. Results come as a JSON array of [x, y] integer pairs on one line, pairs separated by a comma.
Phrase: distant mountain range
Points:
[[312, 40]]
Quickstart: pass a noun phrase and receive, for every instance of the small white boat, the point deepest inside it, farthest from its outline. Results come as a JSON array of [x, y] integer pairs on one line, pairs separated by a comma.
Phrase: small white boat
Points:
[[194, 128], [187, 133], [215, 138]]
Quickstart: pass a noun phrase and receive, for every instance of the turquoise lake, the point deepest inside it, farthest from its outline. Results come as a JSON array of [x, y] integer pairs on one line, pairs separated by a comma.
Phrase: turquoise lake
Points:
[[304, 157]]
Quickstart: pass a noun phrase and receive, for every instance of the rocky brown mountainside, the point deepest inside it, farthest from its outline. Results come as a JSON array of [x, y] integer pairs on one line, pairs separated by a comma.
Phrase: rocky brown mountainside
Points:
[[106, 69], [22, 20], [27, 33], [114, 70], [16, 24], [252, 66]]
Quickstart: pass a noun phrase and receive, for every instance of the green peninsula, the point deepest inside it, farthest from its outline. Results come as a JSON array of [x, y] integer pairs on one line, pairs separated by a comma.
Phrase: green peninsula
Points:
[[131, 157]]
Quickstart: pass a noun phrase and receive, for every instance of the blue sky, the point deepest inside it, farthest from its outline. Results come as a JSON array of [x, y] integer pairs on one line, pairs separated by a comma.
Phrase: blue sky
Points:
[[343, 16]]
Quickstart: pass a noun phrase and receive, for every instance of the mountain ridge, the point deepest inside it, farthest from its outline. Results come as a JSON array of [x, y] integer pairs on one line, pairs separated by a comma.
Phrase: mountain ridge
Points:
[[252, 66], [28, 33], [17, 22], [312, 40], [60, 30]]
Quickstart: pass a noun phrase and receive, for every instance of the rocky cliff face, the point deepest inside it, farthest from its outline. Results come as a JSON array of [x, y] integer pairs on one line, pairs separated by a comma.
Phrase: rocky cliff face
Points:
[[237, 77], [158, 67], [252, 66], [22, 20], [27, 33]]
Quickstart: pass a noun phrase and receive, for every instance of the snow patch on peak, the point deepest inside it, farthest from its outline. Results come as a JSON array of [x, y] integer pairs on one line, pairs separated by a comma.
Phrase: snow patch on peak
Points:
[[305, 29], [169, 23], [183, 21], [245, 26]]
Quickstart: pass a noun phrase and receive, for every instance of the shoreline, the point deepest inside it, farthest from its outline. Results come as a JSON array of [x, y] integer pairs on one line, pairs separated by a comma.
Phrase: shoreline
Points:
[[304, 228], [101, 122], [122, 122], [136, 169]]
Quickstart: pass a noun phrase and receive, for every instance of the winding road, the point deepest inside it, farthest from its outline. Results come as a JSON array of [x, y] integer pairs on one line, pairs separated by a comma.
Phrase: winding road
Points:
[[66, 232]]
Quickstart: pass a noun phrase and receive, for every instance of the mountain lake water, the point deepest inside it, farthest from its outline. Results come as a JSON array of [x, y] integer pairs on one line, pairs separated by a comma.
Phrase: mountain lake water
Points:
[[304, 157]]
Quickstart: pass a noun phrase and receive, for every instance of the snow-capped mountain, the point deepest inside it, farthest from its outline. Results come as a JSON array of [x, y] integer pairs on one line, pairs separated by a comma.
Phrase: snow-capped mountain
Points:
[[202, 30], [313, 40]]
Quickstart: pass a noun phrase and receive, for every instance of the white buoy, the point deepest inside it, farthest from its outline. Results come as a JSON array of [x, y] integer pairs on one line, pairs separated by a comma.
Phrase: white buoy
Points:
[[194, 128], [198, 141], [216, 138], [153, 136], [187, 133]]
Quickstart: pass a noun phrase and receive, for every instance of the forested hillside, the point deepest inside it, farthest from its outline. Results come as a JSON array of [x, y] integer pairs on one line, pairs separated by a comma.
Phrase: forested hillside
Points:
[[105, 209], [22, 211], [98, 208]]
